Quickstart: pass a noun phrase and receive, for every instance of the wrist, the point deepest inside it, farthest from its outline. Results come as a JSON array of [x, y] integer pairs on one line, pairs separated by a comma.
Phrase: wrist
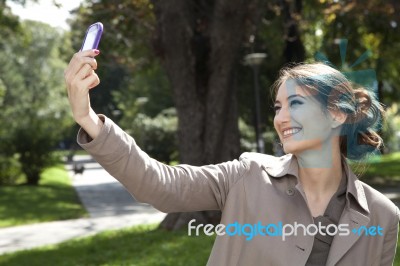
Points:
[[91, 123]]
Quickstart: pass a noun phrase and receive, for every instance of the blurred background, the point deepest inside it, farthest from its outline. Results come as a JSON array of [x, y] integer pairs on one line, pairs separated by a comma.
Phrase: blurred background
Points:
[[189, 80]]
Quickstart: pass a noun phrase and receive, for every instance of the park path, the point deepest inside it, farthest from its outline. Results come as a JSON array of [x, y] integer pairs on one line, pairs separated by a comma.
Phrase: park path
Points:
[[101, 194], [109, 206]]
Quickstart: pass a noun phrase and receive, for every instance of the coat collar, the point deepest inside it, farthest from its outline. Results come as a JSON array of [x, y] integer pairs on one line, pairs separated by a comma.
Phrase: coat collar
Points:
[[278, 167]]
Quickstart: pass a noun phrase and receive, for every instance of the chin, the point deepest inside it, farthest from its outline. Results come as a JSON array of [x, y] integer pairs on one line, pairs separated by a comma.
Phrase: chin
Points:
[[298, 147], [291, 148]]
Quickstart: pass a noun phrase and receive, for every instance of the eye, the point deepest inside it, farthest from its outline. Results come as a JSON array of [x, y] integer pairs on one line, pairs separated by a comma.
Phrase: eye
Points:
[[295, 102], [276, 108]]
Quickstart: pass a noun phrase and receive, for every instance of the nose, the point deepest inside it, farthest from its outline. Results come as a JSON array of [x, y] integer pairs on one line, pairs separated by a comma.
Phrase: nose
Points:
[[282, 119], [283, 116]]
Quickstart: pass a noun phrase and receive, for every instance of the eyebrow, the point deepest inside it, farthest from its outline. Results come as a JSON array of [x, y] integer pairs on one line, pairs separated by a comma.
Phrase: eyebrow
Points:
[[291, 96]]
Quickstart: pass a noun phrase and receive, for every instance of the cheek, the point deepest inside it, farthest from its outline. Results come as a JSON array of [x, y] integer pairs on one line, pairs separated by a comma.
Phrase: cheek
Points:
[[308, 115], [316, 124], [275, 124]]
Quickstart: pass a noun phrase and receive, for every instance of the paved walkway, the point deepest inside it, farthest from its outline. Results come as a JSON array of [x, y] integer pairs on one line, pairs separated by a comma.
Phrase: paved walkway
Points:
[[101, 194], [109, 205]]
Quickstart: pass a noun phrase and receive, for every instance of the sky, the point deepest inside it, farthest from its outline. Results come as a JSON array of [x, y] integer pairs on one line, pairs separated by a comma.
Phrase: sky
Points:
[[45, 11]]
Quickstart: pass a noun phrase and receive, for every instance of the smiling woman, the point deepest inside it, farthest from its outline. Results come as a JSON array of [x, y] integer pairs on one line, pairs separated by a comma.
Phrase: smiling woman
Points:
[[330, 95], [321, 120]]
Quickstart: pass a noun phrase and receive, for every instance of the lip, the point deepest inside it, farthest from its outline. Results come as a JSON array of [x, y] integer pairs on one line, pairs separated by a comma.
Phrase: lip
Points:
[[283, 130]]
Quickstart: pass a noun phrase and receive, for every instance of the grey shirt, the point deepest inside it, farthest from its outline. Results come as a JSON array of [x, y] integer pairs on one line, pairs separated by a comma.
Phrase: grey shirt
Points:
[[322, 243]]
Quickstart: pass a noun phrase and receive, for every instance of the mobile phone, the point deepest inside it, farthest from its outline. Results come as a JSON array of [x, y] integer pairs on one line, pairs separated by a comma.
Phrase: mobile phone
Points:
[[93, 35]]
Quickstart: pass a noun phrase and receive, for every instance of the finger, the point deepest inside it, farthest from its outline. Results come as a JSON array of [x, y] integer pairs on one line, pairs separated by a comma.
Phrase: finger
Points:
[[90, 72], [92, 81], [89, 53], [78, 60], [81, 86], [77, 80], [84, 72]]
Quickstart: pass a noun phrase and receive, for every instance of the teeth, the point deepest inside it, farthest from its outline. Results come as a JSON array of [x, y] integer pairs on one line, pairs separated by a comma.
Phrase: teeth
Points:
[[291, 131]]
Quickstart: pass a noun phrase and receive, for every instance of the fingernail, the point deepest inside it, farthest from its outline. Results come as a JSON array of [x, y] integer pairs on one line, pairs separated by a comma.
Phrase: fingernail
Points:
[[96, 51]]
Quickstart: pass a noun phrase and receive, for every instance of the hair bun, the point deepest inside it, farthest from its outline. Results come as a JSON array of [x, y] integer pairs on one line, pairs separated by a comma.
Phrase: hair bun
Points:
[[363, 100], [368, 115]]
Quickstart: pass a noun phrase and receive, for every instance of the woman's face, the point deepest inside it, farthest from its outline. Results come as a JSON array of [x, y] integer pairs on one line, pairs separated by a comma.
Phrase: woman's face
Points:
[[299, 120]]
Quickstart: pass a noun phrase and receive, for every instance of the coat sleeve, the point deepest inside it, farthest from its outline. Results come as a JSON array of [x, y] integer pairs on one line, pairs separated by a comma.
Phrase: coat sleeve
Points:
[[389, 246], [181, 188]]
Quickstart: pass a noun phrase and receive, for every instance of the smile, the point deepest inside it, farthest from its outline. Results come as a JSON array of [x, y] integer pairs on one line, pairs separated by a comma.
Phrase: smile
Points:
[[291, 131]]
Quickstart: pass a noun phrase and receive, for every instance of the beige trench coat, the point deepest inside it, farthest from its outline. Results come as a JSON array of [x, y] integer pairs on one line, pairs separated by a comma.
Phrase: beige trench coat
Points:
[[255, 188]]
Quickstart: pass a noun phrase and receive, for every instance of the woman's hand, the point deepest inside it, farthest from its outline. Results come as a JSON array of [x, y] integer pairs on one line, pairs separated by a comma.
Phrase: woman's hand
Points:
[[80, 78]]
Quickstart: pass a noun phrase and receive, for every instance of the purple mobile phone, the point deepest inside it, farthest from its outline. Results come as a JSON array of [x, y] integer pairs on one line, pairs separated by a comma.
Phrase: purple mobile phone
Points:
[[92, 38]]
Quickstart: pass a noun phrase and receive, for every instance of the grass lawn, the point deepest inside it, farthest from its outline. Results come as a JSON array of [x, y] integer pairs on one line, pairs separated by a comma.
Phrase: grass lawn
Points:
[[54, 199], [380, 171], [139, 246]]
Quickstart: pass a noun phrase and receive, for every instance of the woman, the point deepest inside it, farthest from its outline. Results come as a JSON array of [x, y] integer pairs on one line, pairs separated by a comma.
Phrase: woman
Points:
[[320, 120]]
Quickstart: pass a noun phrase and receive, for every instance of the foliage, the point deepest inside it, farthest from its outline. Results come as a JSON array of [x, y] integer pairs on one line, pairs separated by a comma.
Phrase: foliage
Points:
[[156, 136], [247, 138], [127, 66], [10, 170], [9, 23], [34, 107], [139, 245], [55, 199], [391, 130]]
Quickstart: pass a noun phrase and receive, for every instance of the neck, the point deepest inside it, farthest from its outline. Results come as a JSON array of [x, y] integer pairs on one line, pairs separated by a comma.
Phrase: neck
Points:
[[320, 171]]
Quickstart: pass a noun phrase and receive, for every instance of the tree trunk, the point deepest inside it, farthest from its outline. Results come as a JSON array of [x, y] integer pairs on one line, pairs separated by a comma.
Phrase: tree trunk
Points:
[[32, 177], [199, 44], [294, 49]]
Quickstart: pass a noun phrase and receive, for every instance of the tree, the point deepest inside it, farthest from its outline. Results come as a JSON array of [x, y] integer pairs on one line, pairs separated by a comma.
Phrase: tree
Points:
[[200, 53], [34, 107]]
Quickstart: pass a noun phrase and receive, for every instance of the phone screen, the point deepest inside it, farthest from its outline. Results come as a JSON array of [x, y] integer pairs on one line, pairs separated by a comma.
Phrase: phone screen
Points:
[[92, 38]]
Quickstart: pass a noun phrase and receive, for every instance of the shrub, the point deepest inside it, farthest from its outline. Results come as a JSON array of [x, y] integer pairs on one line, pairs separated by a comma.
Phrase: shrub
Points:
[[10, 170]]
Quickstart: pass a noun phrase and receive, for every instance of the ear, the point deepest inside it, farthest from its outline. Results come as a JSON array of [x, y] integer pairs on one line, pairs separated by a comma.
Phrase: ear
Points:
[[338, 118]]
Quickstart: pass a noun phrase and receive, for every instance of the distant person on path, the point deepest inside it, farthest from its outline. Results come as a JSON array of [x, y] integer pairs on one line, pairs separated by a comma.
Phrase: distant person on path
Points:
[[321, 120]]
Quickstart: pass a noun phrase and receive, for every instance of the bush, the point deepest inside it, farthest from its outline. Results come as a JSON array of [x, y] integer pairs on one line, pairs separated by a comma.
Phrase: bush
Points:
[[157, 136], [248, 138], [10, 170]]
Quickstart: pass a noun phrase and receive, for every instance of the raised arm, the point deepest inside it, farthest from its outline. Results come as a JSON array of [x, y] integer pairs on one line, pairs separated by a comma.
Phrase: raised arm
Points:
[[170, 189], [80, 77]]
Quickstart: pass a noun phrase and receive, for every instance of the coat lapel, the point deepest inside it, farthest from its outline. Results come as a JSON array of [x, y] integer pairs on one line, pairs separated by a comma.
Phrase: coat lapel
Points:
[[355, 214], [341, 244]]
